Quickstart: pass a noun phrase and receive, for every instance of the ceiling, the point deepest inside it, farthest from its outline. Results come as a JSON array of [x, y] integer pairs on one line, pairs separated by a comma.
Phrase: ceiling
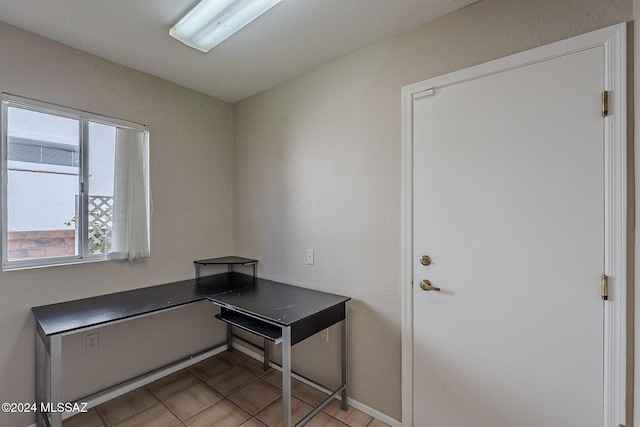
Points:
[[291, 38]]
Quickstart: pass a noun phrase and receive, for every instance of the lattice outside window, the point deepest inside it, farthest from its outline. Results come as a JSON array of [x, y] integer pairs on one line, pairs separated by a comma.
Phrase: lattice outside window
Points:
[[100, 224]]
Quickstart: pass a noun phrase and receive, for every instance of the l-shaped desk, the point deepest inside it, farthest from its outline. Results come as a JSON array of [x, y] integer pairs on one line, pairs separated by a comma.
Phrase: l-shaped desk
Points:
[[280, 313]]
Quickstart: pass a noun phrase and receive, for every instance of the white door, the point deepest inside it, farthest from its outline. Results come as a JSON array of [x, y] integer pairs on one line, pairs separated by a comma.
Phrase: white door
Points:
[[509, 204]]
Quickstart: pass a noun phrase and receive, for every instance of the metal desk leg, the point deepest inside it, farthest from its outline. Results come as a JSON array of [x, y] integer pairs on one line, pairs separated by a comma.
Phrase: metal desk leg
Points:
[[229, 337], [41, 378], [266, 355], [55, 366], [345, 405], [286, 376]]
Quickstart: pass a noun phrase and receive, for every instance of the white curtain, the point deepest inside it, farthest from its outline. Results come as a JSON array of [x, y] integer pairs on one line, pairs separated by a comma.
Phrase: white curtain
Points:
[[130, 239]]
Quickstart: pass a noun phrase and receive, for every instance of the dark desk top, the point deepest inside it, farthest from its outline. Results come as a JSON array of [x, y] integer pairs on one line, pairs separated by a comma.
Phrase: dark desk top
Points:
[[272, 301], [71, 315]]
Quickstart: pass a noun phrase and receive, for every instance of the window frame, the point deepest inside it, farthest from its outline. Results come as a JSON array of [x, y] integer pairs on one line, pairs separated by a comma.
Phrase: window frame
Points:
[[84, 119]]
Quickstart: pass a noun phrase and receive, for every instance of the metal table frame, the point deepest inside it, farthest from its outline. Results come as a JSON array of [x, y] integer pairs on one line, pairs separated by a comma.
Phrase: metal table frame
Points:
[[55, 321], [241, 308]]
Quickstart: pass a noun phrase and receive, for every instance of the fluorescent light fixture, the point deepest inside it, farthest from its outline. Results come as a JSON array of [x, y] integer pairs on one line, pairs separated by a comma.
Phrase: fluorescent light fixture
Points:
[[213, 21]]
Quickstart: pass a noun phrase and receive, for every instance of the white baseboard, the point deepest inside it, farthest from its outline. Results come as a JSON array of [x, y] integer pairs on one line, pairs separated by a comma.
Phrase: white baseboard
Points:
[[99, 398]]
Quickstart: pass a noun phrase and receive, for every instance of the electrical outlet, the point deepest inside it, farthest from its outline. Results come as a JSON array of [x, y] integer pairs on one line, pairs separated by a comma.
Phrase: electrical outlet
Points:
[[324, 335], [92, 342]]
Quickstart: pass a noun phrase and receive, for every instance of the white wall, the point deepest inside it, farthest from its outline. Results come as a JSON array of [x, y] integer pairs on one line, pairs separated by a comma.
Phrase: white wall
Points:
[[634, 210], [191, 177], [317, 164]]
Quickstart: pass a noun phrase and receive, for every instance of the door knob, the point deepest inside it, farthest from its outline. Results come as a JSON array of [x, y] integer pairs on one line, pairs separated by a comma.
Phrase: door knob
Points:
[[426, 285]]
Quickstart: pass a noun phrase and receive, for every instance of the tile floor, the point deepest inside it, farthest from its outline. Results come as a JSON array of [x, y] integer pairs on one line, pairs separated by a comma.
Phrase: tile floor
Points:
[[227, 390]]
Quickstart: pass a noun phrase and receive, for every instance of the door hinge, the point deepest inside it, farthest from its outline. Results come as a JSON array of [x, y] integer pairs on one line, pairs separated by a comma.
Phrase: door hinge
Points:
[[605, 287], [605, 103]]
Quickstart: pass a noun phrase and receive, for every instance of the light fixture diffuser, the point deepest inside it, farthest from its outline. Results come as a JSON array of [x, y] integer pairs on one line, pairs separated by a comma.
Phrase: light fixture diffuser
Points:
[[213, 21]]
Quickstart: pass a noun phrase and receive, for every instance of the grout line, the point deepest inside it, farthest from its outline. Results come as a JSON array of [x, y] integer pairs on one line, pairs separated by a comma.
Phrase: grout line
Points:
[[140, 411], [341, 422], [101, 418], [162, 402], [200, 381]]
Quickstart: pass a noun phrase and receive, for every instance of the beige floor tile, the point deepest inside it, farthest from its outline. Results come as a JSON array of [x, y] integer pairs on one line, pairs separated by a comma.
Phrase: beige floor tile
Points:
[[210, 367], [221, 414], [231, 380], [189, 402], [255, 396], [234, 356], [352, 416], [155, 416], [85, 419], [255, 367], [377, 423], [309, 394], [248, 388], [127, 405], [324, 420], [272, 414], [275, 377], [172, 384], [252, 422]]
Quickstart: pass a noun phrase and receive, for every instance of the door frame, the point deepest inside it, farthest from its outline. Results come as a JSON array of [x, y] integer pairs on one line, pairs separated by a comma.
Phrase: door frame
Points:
[[613, 39]]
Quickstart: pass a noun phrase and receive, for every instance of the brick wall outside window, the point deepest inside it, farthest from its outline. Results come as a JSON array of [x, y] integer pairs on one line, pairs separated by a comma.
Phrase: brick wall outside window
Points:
[[40, 244]]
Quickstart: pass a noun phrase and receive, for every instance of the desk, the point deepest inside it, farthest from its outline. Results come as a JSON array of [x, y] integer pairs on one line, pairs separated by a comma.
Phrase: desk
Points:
[[282, 313]]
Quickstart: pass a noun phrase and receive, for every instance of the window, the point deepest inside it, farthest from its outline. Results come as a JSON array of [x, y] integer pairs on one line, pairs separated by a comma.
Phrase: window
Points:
[[75, 186]]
